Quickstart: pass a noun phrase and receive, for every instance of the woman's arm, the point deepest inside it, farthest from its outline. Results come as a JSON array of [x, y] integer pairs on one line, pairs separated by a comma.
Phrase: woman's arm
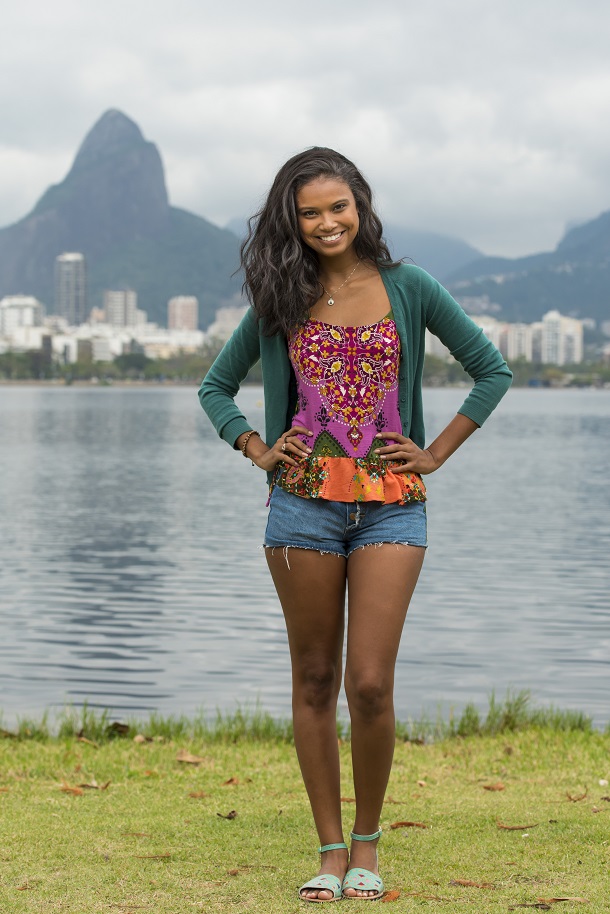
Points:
[[425, 461], [285, 449], [479, 357], [468, 345], [222, 382]]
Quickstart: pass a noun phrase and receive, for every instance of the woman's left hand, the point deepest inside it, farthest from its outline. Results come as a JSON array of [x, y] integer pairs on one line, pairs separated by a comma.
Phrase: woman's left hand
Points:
[[412, 458]]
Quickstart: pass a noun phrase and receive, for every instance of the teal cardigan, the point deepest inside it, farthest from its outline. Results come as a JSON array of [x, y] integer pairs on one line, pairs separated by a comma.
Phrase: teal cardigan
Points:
[[418, 301]]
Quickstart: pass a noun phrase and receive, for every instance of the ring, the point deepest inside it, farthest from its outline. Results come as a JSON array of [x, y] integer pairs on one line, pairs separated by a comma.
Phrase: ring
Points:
[[283, 447]]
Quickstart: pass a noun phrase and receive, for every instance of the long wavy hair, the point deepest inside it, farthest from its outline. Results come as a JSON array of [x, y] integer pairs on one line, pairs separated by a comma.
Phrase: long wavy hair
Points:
[[281, 271]]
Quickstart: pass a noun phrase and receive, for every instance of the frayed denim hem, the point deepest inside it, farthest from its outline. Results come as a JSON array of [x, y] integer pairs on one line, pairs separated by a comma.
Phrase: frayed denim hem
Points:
[[285, 549], [340, 555]]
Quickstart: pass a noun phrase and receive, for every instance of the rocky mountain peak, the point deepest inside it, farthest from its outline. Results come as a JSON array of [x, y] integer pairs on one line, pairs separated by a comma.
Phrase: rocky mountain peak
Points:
[[591, 237], [112, 206], [115, 190], [112, 134]]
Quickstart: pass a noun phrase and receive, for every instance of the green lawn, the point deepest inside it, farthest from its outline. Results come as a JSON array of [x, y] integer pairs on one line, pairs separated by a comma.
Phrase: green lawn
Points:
[[233, 832]]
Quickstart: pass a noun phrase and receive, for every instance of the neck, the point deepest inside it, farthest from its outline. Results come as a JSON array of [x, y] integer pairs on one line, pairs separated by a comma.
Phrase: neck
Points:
[[333, 270]]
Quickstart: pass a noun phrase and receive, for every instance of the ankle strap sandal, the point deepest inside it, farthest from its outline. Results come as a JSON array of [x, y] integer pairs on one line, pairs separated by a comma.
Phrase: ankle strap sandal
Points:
[[325, 882], [362, 880], [356, 837]]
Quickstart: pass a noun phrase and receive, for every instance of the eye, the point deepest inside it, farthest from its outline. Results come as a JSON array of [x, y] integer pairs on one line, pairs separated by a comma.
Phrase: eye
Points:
[[339, 206], [307, 213]]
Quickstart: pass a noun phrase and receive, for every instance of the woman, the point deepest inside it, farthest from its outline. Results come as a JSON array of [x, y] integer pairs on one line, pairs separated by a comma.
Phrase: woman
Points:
[[339, 329]]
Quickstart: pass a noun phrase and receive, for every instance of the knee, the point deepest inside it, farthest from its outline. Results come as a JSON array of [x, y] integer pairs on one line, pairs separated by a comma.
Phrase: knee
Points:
[[368, 697], [316, 686]]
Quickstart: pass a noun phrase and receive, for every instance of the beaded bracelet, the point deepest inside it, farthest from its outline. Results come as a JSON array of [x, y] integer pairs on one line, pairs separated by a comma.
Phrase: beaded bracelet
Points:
[[245, 444]]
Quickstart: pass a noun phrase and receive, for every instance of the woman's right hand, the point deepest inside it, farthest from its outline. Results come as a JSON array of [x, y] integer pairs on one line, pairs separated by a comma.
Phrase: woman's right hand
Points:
[[288, 449]]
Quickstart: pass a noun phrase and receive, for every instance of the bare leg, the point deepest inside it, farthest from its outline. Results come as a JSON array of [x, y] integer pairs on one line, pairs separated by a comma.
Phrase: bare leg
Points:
[[381, 581], [311, 588]]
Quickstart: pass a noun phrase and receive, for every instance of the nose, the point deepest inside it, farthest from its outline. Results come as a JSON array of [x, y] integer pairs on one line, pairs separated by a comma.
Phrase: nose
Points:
[[328, 221]]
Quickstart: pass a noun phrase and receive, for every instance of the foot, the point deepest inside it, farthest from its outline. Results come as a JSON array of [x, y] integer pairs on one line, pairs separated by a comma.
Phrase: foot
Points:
[[363, 854], [332, 863]]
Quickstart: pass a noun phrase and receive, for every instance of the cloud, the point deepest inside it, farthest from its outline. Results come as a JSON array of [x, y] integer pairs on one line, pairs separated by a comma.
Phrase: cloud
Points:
[[484, 120]]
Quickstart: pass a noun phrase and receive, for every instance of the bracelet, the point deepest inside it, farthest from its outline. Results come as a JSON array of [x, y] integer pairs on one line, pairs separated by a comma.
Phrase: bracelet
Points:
[[245, 444]]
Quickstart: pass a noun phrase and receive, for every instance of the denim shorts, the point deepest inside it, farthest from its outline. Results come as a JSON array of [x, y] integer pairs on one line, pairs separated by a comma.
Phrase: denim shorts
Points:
[[340, 527]]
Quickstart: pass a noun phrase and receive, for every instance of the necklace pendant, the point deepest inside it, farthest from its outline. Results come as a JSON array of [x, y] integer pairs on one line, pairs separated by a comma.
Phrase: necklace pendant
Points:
[[330, 302]]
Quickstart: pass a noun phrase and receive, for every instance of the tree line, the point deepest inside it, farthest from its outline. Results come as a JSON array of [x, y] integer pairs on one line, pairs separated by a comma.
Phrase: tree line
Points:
[[190, 368]]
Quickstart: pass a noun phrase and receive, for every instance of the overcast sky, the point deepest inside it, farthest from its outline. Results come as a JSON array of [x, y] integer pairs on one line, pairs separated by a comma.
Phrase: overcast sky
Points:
[[484, 119]]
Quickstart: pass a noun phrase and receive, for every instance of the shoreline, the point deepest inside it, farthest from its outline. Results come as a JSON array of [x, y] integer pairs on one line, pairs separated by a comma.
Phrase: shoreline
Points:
[[60, 384], [514, 713]]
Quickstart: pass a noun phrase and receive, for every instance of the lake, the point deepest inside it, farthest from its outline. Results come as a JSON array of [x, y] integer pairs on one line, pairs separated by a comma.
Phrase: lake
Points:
[[132, 576]]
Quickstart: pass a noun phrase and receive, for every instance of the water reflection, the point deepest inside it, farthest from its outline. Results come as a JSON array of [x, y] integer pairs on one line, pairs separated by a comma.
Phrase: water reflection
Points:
[[132, 575]]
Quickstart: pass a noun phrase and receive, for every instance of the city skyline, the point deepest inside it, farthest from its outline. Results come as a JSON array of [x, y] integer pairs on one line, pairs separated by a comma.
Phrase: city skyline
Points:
[[107, 333]]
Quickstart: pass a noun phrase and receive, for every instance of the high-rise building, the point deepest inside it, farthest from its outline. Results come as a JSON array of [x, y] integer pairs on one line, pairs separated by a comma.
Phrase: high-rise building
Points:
[[517, 342], [561, 339], [20, 311], [71, 287], [227, 319], [121, 307], [183, 313]]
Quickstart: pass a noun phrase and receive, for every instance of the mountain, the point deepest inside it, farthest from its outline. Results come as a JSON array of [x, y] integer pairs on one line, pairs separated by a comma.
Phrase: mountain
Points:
[[113, 207], [440, 255], [574, 278]]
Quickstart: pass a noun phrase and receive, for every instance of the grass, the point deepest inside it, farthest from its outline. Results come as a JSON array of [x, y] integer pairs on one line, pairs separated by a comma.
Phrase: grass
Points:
[[93, 820], [127, 827], [511, 715]]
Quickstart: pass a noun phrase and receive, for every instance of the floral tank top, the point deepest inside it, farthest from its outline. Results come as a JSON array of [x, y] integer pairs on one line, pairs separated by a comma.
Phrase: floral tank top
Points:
[[347, 385]]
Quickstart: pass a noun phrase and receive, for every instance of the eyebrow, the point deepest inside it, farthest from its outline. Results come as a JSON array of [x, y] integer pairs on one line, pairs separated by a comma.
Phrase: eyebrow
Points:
[[341, 200]]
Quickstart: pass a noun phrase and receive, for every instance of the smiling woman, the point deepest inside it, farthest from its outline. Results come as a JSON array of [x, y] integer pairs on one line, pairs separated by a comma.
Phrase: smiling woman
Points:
[[315, 196], [327, 220], [343, 413]]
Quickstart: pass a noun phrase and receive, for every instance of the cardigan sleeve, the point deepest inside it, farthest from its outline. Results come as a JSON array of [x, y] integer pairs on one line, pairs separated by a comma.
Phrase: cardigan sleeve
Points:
[[468, 344], [222, 382]]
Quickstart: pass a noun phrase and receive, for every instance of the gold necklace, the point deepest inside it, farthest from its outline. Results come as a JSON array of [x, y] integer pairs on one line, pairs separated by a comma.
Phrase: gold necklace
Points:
[[331, 300]]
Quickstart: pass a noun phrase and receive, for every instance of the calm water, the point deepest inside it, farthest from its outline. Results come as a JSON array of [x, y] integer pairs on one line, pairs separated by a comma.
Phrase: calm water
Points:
[[132, 577]]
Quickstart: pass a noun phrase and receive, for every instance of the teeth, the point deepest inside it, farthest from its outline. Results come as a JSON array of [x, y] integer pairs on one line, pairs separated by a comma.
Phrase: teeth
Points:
[[330, 237]]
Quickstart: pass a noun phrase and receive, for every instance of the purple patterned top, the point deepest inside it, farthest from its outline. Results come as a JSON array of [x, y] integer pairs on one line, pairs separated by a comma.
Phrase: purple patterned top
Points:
[[347, 381]]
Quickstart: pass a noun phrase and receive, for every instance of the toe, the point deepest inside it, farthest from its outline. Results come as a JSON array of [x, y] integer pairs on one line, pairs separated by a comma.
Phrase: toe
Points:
[[320, 894]]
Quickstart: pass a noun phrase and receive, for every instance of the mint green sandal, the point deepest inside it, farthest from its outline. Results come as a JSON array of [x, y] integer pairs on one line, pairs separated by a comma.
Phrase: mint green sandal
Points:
[[363, 880], [325, 882]]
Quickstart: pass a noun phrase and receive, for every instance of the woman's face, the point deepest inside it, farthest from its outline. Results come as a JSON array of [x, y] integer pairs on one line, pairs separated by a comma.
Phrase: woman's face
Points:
[[327, 214]]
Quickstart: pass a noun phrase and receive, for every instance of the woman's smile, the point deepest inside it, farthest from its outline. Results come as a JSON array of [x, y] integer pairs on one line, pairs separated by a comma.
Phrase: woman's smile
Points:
[[329, 239], [327, 214]]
